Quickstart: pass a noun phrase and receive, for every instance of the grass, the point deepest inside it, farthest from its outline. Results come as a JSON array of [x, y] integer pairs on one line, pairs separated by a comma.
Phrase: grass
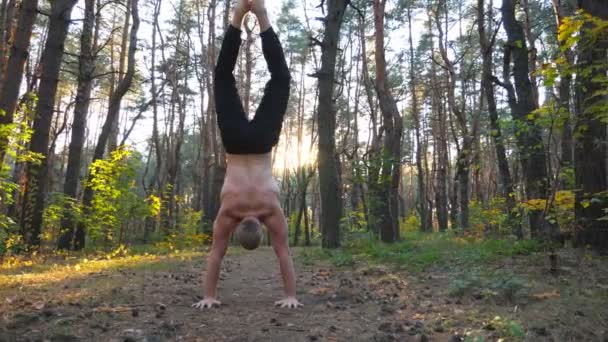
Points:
[[418, 251], [45, 269]]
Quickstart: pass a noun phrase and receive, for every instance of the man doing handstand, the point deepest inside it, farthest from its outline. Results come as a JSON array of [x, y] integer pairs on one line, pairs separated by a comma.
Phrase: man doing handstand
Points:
[[250, 195]]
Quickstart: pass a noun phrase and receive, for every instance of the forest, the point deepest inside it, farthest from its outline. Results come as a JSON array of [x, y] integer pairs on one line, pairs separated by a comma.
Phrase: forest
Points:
[[476, 117], [409, 121]]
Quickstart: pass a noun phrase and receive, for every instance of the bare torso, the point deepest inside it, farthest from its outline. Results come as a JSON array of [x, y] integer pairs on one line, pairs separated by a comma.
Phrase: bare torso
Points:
[[249, 189]]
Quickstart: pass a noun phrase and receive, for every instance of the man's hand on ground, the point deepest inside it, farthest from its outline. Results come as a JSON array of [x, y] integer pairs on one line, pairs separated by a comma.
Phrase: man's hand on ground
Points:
[[207, 303], [289, 302]]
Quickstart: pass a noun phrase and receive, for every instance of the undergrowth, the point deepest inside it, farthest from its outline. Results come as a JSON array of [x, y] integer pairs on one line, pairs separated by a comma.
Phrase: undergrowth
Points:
[[419, 251]]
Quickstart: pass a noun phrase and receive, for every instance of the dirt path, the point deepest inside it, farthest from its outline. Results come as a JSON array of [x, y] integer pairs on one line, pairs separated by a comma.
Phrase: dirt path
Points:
[[152, 301]]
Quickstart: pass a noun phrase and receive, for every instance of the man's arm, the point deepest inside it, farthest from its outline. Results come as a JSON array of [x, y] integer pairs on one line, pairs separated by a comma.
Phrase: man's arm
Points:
[[221, 234], [277, 226]]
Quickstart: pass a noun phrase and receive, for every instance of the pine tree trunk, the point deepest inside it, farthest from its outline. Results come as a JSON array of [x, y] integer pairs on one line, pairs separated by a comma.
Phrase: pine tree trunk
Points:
[[423, 210], [487, 85], [391, 155], [37, 174], [10, 82], [522, 103], [113, 111], [590, 161], [81, 109], [331, 199], [113, 139]]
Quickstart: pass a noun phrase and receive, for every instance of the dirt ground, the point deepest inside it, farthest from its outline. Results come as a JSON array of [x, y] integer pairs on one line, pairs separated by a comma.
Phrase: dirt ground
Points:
[[152, 302]]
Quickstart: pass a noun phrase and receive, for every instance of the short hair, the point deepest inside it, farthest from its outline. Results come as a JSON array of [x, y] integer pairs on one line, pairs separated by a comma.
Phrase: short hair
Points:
[[249, 233]]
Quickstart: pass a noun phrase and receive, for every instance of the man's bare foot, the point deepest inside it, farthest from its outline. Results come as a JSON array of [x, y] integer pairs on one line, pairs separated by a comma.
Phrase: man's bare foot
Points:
[[207, 303], [289, 302]]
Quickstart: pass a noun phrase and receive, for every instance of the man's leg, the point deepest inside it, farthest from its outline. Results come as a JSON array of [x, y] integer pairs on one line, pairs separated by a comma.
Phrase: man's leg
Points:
[[232, 119], [268, 120]]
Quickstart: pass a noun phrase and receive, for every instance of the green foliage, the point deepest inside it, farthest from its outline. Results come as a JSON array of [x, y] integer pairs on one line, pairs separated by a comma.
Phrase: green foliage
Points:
[[581, 31], [419, 251], [115, 199], [53, 214], [492, 217], [409, 224], [508, 328], [18, 136], [560, 210], [353, 222]]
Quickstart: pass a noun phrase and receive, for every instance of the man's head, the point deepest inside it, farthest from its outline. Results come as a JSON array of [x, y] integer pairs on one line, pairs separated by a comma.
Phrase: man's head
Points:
[[249, 233]]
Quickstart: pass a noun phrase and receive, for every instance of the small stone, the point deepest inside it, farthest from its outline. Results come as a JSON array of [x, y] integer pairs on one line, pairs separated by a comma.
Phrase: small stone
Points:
[[64, 338], [455, 338], [386, 327], [540, 331], [439, 329], [478, 295]]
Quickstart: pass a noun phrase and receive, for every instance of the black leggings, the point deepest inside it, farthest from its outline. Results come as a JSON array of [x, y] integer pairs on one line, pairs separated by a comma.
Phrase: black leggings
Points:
[[260, 135]]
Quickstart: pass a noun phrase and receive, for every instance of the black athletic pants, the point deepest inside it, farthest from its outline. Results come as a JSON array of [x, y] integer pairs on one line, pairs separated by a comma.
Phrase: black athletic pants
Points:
[[260, 135]]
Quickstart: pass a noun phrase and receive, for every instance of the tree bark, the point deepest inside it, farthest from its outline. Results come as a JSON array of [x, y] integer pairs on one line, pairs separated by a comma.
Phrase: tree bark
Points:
[[113, 139], [487, 85], [423, 210], [81, 109], [590, 161], [522, 104], [113, 111], [37, 174], [389, 222], [331, 199], [11, 82]]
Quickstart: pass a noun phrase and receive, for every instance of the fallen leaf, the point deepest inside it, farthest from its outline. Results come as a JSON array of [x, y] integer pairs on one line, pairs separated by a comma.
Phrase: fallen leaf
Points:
[[418, 317], [547, 295], [320, 291]]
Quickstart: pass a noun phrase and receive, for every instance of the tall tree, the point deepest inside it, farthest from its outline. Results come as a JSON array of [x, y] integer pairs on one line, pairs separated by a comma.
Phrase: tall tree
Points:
[[37, 173], [79, 122], [423, 210], [393, 128], [591, 145], [113, 111], [10, 80], [331, 198], [522, 104], [504, 174]]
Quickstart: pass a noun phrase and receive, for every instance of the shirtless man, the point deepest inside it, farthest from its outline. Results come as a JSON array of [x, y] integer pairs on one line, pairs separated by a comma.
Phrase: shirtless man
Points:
[[250, 194]]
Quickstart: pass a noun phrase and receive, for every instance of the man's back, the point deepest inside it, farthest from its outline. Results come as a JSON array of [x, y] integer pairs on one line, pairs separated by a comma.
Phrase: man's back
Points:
[[249, 188]]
